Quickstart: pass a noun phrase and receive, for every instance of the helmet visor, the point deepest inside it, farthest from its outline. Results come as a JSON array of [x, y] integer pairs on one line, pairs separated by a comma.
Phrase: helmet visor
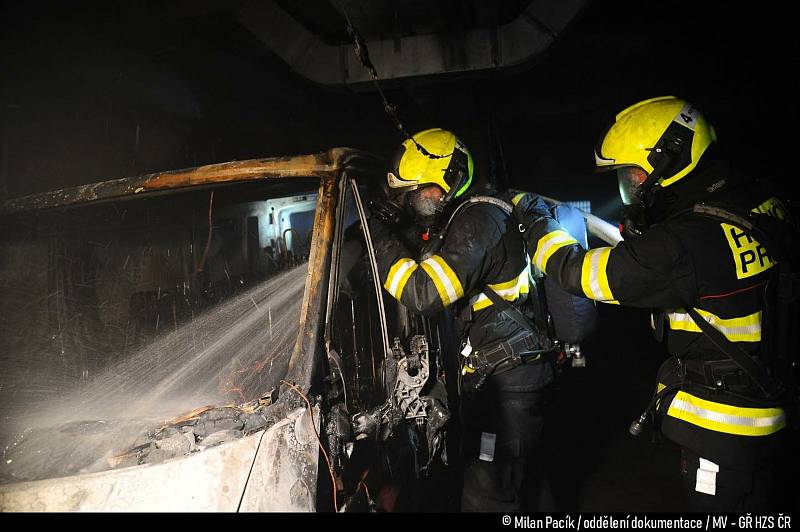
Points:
[[630, 179]]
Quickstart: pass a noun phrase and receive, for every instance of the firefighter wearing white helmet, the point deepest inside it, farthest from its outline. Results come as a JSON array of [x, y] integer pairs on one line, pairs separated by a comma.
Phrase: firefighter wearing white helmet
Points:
[[455, 248], [696, 259]]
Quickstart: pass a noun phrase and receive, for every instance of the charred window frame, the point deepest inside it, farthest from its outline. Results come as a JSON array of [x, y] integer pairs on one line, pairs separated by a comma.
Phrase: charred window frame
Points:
[[356, 336]]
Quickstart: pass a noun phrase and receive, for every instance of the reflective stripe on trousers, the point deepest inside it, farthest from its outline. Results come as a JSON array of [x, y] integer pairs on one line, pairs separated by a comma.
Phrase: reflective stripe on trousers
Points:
[[724, 418]]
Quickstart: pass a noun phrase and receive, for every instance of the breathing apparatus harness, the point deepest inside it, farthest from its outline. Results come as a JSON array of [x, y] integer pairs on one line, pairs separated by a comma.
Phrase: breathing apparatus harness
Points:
[[527, 346], [775, 372]]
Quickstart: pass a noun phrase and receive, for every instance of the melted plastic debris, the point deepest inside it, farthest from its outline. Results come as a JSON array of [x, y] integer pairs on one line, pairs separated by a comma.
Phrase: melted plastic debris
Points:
[[192, 432]]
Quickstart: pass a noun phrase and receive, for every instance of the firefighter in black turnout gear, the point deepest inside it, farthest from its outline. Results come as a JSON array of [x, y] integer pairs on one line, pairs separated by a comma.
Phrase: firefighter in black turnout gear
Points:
[[468, 246], [690, 253]]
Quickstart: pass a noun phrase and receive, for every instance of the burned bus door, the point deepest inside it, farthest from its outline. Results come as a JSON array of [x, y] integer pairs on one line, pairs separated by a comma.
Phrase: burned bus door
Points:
[[388, 406]]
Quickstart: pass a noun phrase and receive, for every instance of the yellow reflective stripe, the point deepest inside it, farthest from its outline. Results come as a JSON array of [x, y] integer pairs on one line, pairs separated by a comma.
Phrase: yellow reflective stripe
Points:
[[660, 387], [508, 285], [455, 284], [726, 418], [549, 244], [594, 279], [515, 286], [404, 279], [742, 329], [398, 276], [440, 288], [481, 302], [508, 290], [444, 278], [516, 198]]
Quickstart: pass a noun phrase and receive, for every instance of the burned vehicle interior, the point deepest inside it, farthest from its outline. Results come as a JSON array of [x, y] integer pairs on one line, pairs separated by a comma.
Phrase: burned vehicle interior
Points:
[[154, 319]]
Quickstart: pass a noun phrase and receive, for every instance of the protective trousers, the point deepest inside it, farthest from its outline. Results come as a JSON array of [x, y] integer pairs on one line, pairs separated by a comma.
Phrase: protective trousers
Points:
[[713, 488], [502, 426]]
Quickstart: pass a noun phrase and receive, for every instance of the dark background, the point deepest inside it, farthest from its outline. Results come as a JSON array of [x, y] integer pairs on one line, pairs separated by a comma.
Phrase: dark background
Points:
[[95, 91], [98, 91]]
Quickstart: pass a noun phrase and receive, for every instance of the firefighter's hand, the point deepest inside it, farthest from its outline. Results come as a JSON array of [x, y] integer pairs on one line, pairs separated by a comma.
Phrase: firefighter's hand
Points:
[[530, 209], [387, 212]]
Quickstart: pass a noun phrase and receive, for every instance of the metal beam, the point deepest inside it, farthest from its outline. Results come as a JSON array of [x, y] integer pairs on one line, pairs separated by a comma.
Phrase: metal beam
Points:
[[325, 164]]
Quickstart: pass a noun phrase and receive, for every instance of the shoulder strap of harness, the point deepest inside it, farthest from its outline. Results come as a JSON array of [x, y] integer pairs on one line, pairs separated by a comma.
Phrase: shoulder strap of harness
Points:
[[778, 236], [501, 304], [474, 200], [781, 239], [757, 372]]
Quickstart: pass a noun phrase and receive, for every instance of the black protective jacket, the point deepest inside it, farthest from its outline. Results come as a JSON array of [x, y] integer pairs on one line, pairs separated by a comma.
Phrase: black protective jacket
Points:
[[683, 261], [479, 248]]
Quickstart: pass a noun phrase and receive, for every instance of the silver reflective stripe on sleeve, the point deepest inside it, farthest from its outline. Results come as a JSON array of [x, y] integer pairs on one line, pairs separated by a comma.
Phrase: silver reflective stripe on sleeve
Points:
[[444, 278], [594, 278], [398, 276], [549, 244]]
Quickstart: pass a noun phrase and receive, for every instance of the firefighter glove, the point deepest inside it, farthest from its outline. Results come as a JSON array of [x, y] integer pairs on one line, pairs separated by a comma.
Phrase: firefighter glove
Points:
[[529, 209], [388, 212]]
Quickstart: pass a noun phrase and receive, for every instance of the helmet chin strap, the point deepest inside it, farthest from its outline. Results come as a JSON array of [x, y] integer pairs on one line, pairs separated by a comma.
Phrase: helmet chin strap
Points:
[[648, 189], [663, 155], [636, 218], [447, 198], [634, 221]]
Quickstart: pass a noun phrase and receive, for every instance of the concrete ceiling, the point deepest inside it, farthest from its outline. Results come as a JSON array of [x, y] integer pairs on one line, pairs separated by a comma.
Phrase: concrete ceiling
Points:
[[406, 38]]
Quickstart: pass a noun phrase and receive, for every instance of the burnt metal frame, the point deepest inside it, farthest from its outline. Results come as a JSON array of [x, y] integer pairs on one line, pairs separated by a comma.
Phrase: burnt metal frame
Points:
[[328, 166], [307, 358], [347, 181]]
